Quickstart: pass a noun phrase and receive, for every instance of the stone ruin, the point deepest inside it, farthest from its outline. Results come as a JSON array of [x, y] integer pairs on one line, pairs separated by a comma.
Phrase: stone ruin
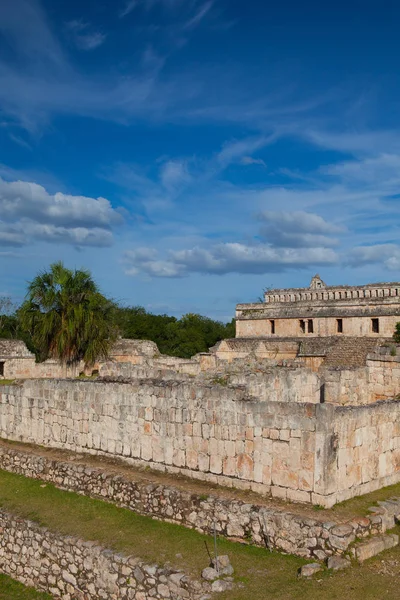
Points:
[[308, 418], [370, 310]]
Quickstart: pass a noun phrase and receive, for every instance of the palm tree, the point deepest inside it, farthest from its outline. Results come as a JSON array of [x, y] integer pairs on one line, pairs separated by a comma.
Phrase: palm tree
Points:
[[67, 317]]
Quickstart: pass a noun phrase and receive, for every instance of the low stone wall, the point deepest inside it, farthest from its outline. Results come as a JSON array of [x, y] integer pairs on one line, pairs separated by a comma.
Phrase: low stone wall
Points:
[[128, 370], [214, 433], [207, 431], [367, 441], [73, 569], [260, 525], [280, 384], [378, 379], [25, 368]]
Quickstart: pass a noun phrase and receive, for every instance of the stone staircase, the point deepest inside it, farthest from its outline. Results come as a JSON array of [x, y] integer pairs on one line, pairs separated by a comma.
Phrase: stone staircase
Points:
[[340, 351]]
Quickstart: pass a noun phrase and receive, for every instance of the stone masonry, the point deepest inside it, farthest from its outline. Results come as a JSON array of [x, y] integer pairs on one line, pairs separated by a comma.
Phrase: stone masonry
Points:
[[301, 451], [74, 569], [277, 528], [321, 310]]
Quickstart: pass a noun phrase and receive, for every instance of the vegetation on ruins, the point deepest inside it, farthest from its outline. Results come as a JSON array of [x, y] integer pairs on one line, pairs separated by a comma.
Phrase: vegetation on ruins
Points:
[[182, 337], [67, 317], [259, 574], [396, 335]]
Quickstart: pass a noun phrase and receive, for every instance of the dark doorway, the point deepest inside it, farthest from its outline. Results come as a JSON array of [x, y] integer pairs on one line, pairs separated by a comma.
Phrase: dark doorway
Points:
[[2, 363], [302, 326], [310, 326], [375, 325], [339, 324], [272, 326]]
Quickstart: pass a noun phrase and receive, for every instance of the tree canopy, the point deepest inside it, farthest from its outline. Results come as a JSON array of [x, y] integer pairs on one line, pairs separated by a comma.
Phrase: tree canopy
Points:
[[67, 317], [182, 337]]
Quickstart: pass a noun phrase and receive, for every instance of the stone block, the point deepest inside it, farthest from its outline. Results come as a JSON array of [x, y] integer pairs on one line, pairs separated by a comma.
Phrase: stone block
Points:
[[337, 563], [374, 546], [298, 496], [245, 466], [278, 492], [229, 466], [310, 569]]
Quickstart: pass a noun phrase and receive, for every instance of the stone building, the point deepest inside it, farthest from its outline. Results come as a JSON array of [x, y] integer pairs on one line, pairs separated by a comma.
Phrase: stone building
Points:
[[371, 310]]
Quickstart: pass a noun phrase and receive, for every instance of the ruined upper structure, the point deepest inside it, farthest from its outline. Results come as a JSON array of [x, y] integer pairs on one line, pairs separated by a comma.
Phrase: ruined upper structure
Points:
[[320, 310]]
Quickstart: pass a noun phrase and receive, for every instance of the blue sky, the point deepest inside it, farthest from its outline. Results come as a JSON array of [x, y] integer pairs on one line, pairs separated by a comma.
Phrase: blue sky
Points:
[[192, 152]]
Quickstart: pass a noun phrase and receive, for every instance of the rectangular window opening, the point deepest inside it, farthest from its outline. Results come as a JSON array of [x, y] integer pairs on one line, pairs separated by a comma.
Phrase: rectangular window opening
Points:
[[302, 326], [310, 326], [339, 323], [2, 368], [375, 325], [272, 326]]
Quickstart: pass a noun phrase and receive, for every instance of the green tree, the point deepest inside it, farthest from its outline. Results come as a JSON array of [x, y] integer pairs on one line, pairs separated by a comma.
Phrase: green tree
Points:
[[177, 337], [67, 316], [396, 335]]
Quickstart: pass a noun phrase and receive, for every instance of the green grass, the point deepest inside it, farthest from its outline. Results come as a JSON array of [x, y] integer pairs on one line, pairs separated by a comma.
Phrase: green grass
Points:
[[12, 590], [265, 575], [359, 506], [6, 381]]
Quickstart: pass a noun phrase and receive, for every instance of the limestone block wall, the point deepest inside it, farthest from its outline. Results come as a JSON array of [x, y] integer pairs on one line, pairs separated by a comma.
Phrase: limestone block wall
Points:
[[277, 528], [347, 386], [233, 349], [210, 432], [280, 384], [366, 449], [376, 292], [213, 433], [126, 370], [71, 568], [322, 326], [384, 375], [378, 380], [25, 368]]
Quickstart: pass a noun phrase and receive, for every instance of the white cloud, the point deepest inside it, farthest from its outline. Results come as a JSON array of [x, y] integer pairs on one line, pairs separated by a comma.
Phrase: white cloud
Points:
[[145, 261], [128, 8], [199, 16], [174, 173], [388, 255], [83, 37], [362, 143], [20, 199], [249, 160], [299, 221], [79, 236], [236, 149], [11, 237], [29, 212], [226, 258], [383, 169], [24, 25], [18, 140]]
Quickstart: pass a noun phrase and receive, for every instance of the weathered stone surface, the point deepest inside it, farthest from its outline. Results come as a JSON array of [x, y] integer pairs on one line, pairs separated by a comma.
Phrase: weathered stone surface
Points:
[[70, 568], [221, 586], [342, 530], [278, 529], [374, 546], [310, 569], [223, 565], [210, 574], [336, 563]]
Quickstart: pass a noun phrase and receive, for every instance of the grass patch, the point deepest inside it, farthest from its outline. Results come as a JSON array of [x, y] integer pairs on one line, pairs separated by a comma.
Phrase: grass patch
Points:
[[359, 506], [12, 590], [265, 575], [220, 381], [6, 381]]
